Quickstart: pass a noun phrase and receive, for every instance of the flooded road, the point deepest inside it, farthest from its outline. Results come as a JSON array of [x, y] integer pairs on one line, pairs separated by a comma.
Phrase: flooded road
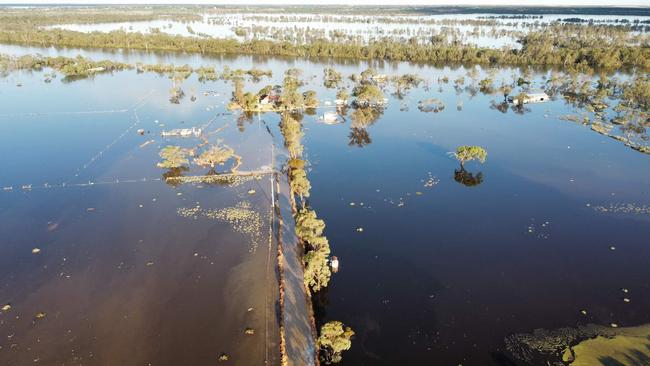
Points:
[[447, 268]]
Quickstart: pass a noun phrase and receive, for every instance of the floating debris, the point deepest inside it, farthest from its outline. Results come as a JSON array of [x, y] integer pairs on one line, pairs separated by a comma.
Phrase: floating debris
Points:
[[149, 264], [251, 191], [249, 331], [40, 315], [241, 217], [626, 299], [626, 208], [146, 143], [613, 325], [430, 181], [583, 312], [360, 229], [230, 180], [6, 308], [224, 357], [36, 250]]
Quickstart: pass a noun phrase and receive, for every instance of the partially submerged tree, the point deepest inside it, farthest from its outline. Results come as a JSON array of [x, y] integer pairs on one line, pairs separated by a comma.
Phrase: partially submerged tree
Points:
[[368, 94], [173, 157], [310, 99], [467, 153], [333, 340], [216, 155], [405, 82], [331, 77]]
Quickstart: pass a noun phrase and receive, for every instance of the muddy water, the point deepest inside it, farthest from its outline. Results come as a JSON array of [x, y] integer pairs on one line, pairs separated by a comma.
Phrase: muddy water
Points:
[[124, 275], [442, 272]]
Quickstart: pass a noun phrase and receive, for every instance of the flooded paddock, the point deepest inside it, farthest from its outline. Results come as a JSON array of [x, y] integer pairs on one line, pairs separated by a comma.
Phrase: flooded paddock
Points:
[[103, 260], [438, 263]]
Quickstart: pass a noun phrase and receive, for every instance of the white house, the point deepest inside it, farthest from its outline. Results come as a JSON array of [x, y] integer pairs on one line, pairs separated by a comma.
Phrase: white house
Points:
[[531, 98], [330, 118]]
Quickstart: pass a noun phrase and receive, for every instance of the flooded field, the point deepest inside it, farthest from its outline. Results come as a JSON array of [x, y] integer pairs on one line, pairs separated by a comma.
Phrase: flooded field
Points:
[[482, 30], [103, 260], [107, 261]]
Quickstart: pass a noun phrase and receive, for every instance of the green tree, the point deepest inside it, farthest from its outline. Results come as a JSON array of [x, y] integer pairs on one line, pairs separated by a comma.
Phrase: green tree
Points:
[[173, 157], [215, 155], [334, 338], [310, 99], [468, 153], [367, 94]]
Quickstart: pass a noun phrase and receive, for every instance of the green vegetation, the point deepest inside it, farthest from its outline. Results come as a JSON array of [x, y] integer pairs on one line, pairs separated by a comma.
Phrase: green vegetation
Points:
[[367, 95], [405, 82], [468, 153], [310, 230], [588, 48], [216, 155], [331, 78], [333, 340], [173, 157]]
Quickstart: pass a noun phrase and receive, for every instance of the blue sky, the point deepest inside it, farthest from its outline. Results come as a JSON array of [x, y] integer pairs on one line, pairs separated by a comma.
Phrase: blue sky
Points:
[[357, 2]]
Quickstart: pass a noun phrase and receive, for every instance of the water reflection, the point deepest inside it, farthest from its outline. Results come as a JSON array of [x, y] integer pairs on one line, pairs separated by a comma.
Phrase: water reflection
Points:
[[359, 137], [467, 178]]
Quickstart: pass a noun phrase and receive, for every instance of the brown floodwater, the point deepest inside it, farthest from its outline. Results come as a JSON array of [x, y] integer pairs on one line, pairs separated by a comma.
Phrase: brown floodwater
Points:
[[119, 268]]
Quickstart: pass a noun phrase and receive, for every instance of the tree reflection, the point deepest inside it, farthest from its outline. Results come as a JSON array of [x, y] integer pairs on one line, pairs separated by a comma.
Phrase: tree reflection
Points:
[[366, 116], [520, 108], [466, 178], [501, 107], [359, 137], [174, 173]]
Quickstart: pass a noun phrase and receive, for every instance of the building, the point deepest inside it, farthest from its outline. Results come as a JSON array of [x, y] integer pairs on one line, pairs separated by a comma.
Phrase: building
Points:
[[330, 118], [183, 132], [530, 98]]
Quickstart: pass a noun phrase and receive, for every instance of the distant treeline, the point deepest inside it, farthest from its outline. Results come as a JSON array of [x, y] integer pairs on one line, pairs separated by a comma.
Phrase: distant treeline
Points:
[[539, 48]]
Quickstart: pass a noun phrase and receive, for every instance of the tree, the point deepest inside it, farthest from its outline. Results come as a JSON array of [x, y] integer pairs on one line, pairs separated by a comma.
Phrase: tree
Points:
[[468, 153], [308, 226], [173, 157], [310, 99], [331, 77], [317, 272], [343, 95], [333, 340], [238, 90], [405, 82], [215, 155], [367, 94]]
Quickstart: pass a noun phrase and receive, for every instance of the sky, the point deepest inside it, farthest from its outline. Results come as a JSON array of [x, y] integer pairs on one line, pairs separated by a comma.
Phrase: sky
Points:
[[356, 2]]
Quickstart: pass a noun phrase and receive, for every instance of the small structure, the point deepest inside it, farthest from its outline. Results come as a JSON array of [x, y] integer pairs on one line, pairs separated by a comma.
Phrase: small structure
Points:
[[265, 99], [183, 132], [330, 118], [341, 102], [334, 262], [529, 98], [96, 70]]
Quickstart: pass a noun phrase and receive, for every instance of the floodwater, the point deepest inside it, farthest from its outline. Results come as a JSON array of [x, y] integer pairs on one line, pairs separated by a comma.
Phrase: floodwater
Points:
[[497, 34], [442, 272], [101, 261]]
